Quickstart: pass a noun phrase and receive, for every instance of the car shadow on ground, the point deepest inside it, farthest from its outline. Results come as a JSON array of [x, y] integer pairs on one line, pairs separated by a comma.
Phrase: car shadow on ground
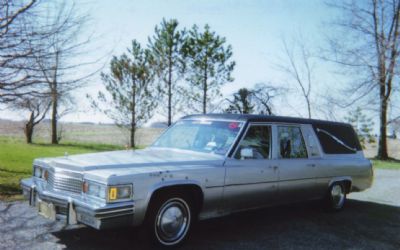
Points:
[[361, 225]]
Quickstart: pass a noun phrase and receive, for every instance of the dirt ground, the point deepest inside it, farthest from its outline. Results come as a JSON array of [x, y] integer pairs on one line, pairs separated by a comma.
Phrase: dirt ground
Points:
[[370, 220]]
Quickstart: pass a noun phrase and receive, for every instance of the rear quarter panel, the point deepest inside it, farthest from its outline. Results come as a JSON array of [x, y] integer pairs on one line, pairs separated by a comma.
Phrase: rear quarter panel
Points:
[[354, 167]]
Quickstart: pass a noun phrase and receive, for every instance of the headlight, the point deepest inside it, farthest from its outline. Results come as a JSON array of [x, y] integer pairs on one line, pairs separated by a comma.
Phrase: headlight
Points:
[[120, 193], [40, 172], [94, 189]]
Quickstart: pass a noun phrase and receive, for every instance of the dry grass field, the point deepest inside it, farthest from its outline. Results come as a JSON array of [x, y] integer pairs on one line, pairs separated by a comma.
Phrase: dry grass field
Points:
[[82, 133]]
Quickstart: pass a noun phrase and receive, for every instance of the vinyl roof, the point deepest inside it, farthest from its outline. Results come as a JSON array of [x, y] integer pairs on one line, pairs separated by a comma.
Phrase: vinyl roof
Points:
[[262, 118]]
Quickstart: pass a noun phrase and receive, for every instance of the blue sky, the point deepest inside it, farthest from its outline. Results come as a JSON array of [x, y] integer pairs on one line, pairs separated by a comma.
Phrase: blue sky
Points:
[[254, 29]]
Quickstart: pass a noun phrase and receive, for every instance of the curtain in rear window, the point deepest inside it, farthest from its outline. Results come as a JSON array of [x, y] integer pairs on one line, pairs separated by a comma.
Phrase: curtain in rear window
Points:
[[343, 132]]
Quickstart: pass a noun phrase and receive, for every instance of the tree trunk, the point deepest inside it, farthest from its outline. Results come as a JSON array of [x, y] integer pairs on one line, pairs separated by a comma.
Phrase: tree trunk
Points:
[[269, 110], [133, 131], [133, 114], [29, 129], [308, 108], [54, 98], [382, 149], [28, 133], [205, 91], [169, 94]]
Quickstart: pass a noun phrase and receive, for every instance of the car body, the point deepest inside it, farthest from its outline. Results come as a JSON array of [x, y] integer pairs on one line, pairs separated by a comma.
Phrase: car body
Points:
[[203, 166]]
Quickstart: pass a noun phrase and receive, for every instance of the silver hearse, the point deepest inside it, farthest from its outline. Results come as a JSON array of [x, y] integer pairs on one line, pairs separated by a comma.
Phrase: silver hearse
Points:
[[203, 166]]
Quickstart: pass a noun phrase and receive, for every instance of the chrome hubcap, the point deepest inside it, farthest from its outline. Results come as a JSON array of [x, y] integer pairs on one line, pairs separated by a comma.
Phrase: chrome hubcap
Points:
[[172, 221], [337, 195]]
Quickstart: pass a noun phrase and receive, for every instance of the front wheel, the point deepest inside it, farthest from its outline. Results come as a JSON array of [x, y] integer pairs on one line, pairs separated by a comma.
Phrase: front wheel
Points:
[[170, 220], [336, 196]]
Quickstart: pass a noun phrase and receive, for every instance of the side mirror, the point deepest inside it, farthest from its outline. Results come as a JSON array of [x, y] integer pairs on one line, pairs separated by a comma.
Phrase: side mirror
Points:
[[246, 153]]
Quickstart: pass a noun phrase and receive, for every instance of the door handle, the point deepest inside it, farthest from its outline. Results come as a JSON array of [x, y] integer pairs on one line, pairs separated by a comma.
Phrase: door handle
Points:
[[274, 167], [311, 165]]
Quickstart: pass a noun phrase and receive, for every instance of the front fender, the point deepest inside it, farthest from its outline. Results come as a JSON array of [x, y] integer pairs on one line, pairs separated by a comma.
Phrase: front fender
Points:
[[143, 204]]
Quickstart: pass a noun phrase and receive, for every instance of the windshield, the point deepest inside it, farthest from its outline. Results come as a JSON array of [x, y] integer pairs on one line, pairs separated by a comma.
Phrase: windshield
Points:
[[202, 136]]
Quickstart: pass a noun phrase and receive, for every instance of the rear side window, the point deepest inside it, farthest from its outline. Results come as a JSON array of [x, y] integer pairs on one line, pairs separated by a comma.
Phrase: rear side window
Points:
[[291, 142], [337, 138]]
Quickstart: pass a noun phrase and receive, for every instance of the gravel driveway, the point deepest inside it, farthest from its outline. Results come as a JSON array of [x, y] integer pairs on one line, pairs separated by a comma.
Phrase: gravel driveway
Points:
[[371, 220]]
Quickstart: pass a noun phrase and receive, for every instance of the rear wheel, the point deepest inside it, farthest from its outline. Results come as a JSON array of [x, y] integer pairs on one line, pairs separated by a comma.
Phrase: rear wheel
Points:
[[170, 219], [336, 196]]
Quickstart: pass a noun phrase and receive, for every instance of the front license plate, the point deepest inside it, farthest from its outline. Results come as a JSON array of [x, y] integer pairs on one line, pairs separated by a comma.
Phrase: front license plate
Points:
[[47, 210]]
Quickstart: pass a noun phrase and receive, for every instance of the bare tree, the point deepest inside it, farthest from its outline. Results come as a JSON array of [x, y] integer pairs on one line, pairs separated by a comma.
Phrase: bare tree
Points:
[[37, 108], [15, 52], [263, 97], [55, 62], [368, 50], [299, 67]]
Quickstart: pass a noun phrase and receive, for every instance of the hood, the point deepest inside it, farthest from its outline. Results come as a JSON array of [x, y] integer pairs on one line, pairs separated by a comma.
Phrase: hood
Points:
[[150, 157]]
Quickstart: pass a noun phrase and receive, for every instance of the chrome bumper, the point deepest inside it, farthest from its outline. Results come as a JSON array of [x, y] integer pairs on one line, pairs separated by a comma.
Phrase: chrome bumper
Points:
[[75, 209]]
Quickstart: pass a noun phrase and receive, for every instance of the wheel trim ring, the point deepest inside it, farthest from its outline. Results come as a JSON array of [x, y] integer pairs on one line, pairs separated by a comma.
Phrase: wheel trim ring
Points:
[[337, 195], [184, 227]]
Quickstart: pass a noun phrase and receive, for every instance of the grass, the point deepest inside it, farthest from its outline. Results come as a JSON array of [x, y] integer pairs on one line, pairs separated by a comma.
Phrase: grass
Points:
[[389, 164], [16, 159]]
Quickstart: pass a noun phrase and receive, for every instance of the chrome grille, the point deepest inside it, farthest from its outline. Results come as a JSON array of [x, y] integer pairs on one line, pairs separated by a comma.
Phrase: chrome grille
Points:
[[65, 181]]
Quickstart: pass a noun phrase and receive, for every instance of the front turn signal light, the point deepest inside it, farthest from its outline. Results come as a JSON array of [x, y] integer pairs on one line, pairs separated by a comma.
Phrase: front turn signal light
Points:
[[112, 193], [120, 193]]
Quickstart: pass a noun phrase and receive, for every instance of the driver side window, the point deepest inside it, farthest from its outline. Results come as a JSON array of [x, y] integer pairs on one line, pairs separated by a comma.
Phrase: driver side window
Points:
[[256, 144]]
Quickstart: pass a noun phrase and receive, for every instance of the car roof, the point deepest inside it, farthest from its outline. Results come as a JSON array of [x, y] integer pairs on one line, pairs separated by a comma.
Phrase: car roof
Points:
[[262, 118]]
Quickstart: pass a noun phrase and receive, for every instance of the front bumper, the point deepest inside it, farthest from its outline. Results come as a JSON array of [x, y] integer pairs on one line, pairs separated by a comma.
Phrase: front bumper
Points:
[[76, 209]]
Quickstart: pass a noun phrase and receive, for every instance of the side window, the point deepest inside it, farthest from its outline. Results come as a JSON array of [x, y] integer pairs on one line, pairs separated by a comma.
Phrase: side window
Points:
[[291, 142], [256, 144]]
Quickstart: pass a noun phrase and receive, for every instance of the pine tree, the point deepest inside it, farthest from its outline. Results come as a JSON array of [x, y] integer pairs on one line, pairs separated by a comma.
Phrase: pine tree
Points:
[[129, 84], [242, 102], [168, 62], [362, 125], [209, 64]]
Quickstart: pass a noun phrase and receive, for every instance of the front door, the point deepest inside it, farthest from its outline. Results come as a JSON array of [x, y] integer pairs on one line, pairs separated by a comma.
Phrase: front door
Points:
[[251, 175]]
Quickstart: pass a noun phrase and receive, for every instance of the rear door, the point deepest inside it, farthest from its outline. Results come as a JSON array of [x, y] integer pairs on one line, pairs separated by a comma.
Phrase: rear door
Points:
[[297, 171]]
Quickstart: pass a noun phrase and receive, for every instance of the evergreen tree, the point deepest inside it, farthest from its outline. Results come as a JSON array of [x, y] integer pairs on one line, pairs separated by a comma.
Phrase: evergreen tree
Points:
[[241, 103], [129, 85], [209, 64], [257, 100], [167, 60], [362, 125]]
